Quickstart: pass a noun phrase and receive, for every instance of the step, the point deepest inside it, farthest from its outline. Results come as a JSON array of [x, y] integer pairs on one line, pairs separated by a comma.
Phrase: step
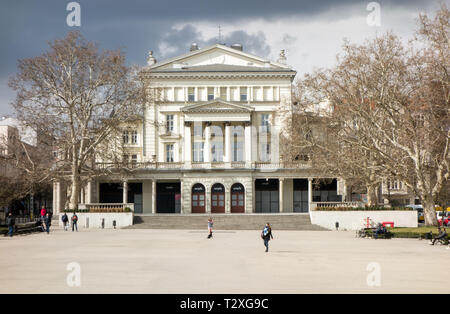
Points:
[[225, 222]]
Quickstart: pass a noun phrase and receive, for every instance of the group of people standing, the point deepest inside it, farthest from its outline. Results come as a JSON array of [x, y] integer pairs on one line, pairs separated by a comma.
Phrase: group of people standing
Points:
[[74, 219], [266, 233], [45, 220]]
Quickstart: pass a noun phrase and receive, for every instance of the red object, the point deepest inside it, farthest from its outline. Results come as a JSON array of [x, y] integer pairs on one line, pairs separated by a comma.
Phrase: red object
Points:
[[43, 212], [390, 223]]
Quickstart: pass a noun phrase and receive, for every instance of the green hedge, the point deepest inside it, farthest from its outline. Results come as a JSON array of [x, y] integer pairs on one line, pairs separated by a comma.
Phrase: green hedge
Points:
[[415, 233], [365, 208]]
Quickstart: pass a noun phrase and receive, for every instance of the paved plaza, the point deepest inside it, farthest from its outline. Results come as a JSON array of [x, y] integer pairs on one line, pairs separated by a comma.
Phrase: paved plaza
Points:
[[183, 261]]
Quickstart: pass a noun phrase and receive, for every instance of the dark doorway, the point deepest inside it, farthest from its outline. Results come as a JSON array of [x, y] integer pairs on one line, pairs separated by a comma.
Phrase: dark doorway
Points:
[[135, 196], [325, 190], [168, 197], [237, 198], [301, 195], [198, 199], [111, 193], [218, 199], [267, 196]]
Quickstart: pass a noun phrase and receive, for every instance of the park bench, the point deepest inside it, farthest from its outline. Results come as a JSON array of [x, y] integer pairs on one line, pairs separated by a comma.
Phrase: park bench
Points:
[[28, 227]]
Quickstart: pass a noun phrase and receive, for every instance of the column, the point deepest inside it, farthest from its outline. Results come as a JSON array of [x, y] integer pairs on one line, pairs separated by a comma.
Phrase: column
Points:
[[153, 196], [254, 195], [182, 197], [82, 195], [207, 148], [125, 192], [248, 144], [228, 158], [88, 196], [195, 93], [281, 195], [187, 144], [228, 93], [310, 193], [58, 197]]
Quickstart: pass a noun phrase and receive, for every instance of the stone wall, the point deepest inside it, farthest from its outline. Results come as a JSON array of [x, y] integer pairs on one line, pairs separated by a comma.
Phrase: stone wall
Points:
[[94, 220], [355, 220]]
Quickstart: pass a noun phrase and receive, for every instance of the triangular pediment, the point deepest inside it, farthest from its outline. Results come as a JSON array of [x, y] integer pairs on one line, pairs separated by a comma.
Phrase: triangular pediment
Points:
[[216, 56], [216, 105]]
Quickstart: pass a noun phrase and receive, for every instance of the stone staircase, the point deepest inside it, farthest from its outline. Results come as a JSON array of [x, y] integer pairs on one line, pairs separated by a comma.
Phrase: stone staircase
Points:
[[225, 222]]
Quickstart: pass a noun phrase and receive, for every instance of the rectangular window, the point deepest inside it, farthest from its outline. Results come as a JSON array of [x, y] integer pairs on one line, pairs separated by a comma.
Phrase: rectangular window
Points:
[[134, 159], [191, 94], [197, 151], [265, 152], [210, 93], [223, 93], [169, 123], [243, 93], [169, 153], [125, 137], [265, 125], [134, 137]]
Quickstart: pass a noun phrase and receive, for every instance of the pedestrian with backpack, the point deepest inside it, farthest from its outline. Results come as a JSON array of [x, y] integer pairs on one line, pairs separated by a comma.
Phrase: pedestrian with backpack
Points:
[[65, 221], [266, 235], [74, 222]]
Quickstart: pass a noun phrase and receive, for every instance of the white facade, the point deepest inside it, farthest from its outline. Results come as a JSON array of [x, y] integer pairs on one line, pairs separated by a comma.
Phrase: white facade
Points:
[[209, 139]]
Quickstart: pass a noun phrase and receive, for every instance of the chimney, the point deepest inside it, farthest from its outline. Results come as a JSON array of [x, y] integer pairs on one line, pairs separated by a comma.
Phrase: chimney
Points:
[[194, 47], [150, 59], [282, 59], [237, 47]]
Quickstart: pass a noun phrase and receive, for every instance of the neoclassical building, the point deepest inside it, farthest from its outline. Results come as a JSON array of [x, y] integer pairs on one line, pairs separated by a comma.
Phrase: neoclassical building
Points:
[[209, 140]]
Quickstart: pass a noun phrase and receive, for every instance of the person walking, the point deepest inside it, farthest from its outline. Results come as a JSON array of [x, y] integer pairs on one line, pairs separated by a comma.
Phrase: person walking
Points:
[[266, 235], [65, 221], [74, 222], [210, 226], [47, 223], [10, 222]]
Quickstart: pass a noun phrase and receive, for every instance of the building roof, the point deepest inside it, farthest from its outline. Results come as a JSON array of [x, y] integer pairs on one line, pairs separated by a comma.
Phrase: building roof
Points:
[[221, 68]]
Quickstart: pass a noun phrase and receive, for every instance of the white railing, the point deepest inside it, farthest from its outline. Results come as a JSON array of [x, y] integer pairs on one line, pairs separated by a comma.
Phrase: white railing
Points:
[[314, 205], [205, 165], [106, 207]]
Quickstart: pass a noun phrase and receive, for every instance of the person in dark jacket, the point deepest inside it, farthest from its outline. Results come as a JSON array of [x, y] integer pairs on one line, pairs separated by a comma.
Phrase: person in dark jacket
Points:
[[74, 222], [47, 222], [10, 222], [442, 235], [65, 220], [266, 235]]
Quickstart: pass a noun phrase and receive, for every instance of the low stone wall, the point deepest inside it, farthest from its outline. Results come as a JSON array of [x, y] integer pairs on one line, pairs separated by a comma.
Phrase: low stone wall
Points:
[[355, 220], [94, 220]]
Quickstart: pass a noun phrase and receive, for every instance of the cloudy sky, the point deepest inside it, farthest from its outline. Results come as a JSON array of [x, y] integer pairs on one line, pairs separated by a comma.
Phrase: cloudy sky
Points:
[[311, 31]]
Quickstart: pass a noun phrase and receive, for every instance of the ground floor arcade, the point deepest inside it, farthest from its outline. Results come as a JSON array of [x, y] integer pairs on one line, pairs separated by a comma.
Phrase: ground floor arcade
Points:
[[203, 193]]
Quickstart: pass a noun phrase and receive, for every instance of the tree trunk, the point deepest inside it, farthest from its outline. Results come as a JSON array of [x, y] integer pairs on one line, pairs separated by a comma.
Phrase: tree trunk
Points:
[[74, 190], [372, 198], [429, 212]]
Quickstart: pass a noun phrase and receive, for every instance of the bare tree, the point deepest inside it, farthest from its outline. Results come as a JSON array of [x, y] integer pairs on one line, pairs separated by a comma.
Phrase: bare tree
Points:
[[76, 96], [388, 110]]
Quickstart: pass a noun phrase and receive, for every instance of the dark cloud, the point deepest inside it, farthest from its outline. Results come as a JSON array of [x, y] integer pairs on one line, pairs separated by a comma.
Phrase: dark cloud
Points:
[[141, 25], [181, 40]]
